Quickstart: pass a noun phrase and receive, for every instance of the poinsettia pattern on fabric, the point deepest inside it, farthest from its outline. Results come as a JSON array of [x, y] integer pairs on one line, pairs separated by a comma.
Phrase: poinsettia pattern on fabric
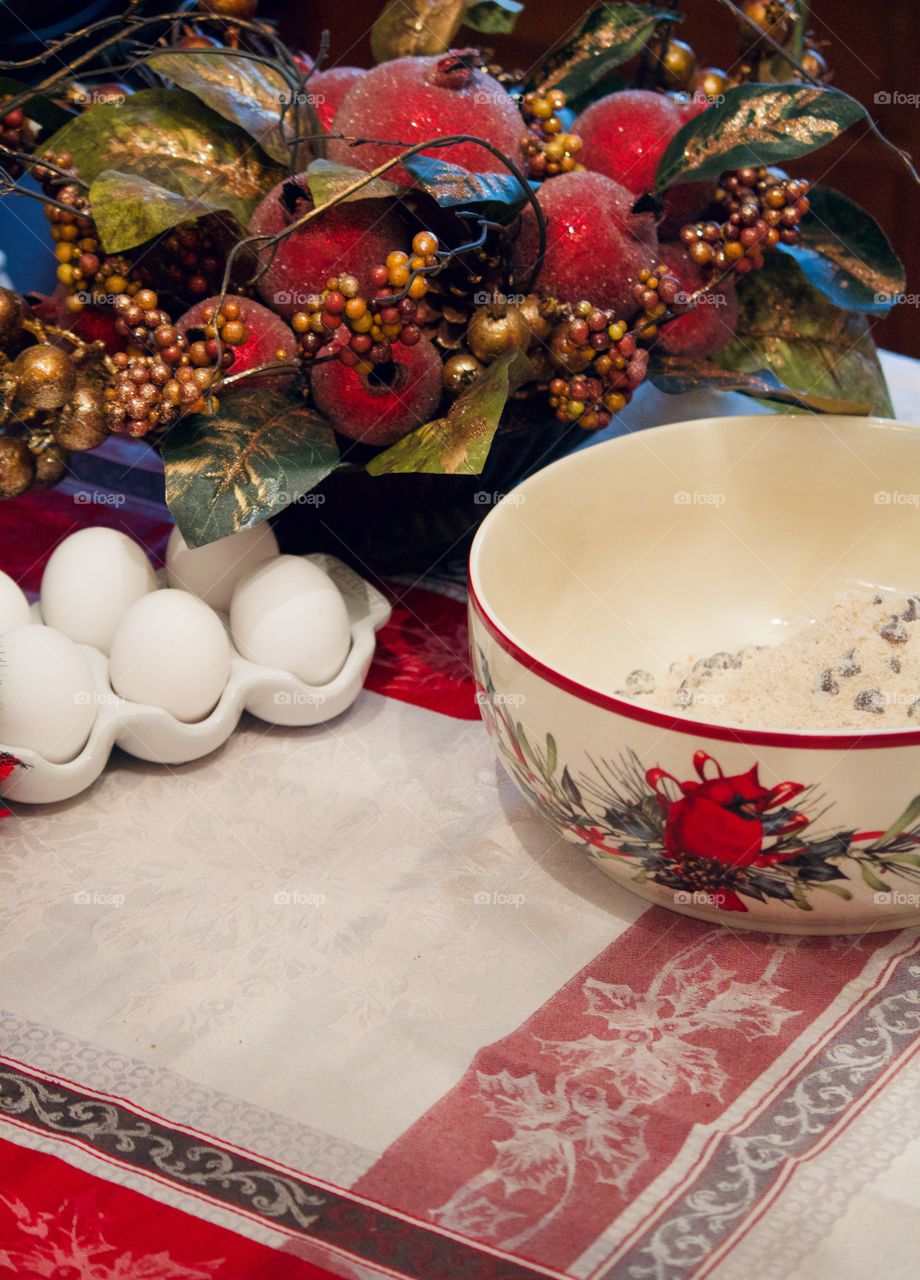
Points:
[[70, 1244], [584, 1114]]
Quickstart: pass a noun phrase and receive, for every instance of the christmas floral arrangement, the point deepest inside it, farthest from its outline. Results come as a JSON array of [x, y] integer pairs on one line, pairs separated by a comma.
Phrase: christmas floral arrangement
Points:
[[292, 278]]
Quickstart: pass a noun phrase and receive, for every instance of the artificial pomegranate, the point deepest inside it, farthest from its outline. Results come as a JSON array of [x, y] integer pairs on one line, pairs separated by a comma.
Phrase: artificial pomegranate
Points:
[[350, 237], [595, 245], [268, 339], [97, 324], [625, 135], [411, 99], [381, 406], [707, 327], [328, 88]]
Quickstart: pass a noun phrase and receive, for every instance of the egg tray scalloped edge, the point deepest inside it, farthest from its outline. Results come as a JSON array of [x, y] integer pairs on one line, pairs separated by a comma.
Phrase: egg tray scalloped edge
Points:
[[153, 734]]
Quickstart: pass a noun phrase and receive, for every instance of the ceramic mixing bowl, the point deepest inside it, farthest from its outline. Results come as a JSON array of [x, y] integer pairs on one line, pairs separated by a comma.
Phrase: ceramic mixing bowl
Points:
[[694, 538]]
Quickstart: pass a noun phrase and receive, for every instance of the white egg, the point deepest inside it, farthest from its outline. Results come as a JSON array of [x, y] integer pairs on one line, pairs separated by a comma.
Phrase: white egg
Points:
[[288, 613], [14, 607], [171, 651], [91, 581], [211, 572], [47, 693]]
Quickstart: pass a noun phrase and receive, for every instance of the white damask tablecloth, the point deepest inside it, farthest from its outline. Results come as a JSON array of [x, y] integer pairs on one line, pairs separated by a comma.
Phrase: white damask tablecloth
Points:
[[335, 998]]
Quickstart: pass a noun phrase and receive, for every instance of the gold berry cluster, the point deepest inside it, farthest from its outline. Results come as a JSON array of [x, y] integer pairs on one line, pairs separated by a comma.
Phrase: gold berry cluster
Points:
[[763, 210], [600, 365], [87, 273], [547, 148], [163, 374], [655, 291], [362, 324]]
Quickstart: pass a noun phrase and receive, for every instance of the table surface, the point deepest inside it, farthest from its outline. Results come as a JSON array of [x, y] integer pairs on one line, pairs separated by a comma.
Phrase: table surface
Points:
[[335, 1001]]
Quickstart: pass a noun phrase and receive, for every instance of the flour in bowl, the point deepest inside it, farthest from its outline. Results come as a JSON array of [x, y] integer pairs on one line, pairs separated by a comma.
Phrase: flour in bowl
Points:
[[856, 668]]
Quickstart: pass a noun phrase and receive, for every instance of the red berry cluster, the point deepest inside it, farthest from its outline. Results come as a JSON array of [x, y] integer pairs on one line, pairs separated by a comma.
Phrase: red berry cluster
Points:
[[361, 326], [17, 133], [764, 209], [604, 363], [162, 374], [547, 148], [191, 260]]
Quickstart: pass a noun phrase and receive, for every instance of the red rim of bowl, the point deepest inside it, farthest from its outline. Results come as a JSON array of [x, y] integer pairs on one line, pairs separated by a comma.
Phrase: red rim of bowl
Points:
[[700, 728]]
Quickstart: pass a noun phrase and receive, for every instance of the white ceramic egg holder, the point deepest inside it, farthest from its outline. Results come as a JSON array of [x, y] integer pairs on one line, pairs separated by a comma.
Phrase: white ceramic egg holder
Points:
[[153, 734]]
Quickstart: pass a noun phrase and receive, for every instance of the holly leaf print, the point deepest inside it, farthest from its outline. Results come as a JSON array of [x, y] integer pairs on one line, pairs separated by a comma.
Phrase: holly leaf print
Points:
[[609, 1000], [475, 1216], [532, 1160], [704, 997], [520, 1101], [614, 1143]]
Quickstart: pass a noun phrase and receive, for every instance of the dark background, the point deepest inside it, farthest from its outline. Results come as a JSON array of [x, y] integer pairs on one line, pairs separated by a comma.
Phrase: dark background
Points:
[[873, 49]]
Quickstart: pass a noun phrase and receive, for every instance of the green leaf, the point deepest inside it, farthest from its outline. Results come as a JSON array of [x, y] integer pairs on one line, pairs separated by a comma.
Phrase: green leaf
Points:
[[846, 254], [129, 210], [459, 444], [552, 755], [798, 894], [757, 124], [525, 745], [170, 138], [837, 889], [901, 823], [246, 93], [788, 327], [570, 789], [492, 17], [229, 471], [326, 180], [872, 879], [676, 375], [44, 111], [610, 34], [903, 859], [496, 196]]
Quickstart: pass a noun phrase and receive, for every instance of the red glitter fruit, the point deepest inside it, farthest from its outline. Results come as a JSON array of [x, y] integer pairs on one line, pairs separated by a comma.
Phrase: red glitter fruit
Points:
[[350, 237], [96, 324], [269, 340], [625, 135], [411, 99], [711, 324], [595, 245], [381, 407], [328, 89]]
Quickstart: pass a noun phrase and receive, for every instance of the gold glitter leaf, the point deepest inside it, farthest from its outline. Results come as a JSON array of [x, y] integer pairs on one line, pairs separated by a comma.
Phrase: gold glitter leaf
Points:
[[677, 375], [787, 327], [497, 196], [170, 138], [247, 93], [609, 35], [228, 471], [844, 253], [757, 124]]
